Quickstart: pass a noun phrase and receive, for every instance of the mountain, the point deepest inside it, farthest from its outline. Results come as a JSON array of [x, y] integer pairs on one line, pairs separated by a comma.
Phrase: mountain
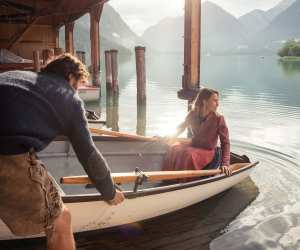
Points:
[[258, 20], [220, 32], [284, 26], [255, 20], [114, 34], [166, 36], [282, 6]]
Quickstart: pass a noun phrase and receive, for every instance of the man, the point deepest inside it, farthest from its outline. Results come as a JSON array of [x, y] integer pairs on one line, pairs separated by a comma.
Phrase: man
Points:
[[34, 109]]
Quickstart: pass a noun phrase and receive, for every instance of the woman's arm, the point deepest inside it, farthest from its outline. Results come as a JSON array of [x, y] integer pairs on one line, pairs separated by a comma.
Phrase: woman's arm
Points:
[[182, 126], [225, 142]]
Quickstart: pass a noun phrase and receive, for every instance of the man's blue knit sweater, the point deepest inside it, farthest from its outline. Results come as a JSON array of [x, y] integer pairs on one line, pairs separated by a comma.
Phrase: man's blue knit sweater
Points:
[[37, 107]]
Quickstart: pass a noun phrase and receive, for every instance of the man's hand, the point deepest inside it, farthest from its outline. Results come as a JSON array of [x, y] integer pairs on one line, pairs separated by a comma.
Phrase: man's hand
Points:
[[119, 198], [226, 170]]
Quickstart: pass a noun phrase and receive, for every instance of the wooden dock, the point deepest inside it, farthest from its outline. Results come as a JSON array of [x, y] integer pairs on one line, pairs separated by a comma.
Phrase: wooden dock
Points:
[[190, 228]]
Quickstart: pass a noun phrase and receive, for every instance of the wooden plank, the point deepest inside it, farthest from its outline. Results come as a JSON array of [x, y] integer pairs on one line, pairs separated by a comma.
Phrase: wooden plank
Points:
[[123, 178], [19, 35], [16, 66]]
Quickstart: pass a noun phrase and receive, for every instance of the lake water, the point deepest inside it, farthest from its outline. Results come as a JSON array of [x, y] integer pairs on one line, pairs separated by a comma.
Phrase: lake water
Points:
[[261, 103]]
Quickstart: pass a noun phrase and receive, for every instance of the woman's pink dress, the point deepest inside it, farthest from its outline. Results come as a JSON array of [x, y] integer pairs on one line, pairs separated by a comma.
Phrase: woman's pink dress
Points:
[[200, 152]]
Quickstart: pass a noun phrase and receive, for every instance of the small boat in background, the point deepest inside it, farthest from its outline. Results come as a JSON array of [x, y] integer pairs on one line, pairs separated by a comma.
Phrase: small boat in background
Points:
[[89, 93]]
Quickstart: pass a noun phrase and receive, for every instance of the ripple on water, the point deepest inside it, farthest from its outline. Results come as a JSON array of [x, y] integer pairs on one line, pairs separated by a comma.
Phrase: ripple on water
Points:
[[272, 221]]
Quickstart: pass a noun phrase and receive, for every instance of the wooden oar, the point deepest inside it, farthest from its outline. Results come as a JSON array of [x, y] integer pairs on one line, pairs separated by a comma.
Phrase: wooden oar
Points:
[[122, 135], [133, 136], [123, 178]]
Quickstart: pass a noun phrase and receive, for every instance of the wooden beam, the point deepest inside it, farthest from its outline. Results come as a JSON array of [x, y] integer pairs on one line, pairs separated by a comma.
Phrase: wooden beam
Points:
[[95, 15], [192, 25], [21, 34], [17, 6]]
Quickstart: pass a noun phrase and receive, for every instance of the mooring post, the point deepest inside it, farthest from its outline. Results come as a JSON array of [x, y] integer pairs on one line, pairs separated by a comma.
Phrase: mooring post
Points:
[[81, 55], [141, 120], [109, 108], [108, 73], [140, 74], [114, 70]]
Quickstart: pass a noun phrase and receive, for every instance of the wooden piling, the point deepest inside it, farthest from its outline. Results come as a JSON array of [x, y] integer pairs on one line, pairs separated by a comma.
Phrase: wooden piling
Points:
[[109, 108], [115, 112], [140, 74], [108, 73], [69, 37], [141, 120], [36, 60], [114, 70], [58, 51], [95, 15], [192, 45], [80, 55]]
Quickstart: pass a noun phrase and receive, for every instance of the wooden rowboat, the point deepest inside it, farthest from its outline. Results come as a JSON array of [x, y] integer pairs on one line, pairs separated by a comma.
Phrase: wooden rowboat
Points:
[[88, 93], [151, 199]]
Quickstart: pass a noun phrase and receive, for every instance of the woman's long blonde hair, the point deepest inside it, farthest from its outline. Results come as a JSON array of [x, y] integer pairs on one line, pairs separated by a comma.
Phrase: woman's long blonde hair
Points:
[[203, 95]]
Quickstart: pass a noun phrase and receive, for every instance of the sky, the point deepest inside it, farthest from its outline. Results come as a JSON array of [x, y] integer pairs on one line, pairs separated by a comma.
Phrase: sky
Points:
[[140, 14]]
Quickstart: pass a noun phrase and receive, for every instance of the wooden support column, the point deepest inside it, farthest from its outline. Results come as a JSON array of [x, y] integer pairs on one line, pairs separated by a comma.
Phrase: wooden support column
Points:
[[192, 37], [95, 15], [36, 60], [81, 56], [141, 120], [114, 70], [140, 74], [69, 27], [108, 73], [56, 38]]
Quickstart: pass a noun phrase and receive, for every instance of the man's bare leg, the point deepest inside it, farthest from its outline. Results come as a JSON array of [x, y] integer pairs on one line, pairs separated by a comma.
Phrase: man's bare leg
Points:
[[61, 238]]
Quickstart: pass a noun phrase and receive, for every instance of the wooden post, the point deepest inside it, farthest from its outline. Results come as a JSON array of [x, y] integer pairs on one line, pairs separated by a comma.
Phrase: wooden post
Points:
[[140, 74], [109, 108], [108, 71], [81, 56], [115, 112], [114, 70], [58, 51], [95, 14], [192, 34], [141, 120], [36, 59], [56, 38], [69, 27], [47, 55]]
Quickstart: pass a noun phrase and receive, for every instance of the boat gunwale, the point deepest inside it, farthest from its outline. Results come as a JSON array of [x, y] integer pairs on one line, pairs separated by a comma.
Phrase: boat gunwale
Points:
[[156, 190]]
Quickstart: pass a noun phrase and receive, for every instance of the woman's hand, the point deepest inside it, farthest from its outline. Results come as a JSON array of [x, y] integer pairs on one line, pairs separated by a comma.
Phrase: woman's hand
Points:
[[226, 170]]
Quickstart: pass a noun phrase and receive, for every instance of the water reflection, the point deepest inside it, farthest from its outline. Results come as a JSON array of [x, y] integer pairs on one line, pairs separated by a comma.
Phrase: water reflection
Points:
[[141, 119], [290, 68], [112, 110], [260, 100]]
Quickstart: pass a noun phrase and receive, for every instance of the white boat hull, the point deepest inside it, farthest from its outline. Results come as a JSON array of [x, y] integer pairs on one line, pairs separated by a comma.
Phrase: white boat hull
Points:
[[91, 213], [89, 94]]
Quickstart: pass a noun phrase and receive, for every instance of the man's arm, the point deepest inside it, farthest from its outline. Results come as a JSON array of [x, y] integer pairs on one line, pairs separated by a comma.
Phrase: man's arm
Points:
[[88, 155]]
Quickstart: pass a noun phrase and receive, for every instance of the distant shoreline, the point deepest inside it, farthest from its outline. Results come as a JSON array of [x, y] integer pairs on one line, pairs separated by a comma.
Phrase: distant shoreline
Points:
[[290, 59]]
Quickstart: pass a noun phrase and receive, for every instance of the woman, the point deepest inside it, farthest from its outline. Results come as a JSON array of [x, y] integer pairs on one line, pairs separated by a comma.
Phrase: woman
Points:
[[207, 126]]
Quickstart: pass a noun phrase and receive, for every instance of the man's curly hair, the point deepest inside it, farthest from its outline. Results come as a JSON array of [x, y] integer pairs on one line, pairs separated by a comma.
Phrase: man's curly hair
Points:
[[65, 65]]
